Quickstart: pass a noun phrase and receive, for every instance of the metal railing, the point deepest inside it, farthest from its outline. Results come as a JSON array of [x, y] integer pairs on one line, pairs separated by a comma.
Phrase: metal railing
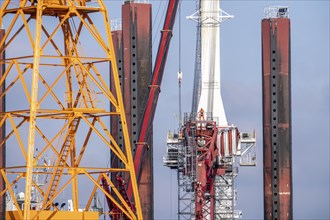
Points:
[[276, 12]]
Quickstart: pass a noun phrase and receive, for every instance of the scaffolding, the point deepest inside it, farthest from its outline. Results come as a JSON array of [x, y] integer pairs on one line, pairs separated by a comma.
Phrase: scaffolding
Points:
[[208, 191]]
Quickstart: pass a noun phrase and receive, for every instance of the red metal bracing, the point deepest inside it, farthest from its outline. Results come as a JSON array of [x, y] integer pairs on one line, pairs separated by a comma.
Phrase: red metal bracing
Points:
[[154, 89], [114, 212], [277, 118], [212, 145], [122, 190], [206, 171]]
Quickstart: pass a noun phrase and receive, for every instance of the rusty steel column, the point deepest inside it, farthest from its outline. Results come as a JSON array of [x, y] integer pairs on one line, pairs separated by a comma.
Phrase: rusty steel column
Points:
[[277, 114], [117, 44], [2, 134], [115, 126], [137, 71]]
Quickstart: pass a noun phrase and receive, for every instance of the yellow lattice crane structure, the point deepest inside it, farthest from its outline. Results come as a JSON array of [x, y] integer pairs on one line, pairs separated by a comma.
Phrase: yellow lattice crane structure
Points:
[[59, 61]]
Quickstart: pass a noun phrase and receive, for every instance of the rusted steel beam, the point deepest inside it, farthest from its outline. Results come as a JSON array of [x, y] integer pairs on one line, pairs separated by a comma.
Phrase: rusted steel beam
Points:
[[133, 46], [276, 74], [154, 88]]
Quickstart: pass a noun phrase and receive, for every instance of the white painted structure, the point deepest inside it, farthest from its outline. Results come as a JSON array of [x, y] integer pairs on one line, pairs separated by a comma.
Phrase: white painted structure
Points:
[[210, 17]]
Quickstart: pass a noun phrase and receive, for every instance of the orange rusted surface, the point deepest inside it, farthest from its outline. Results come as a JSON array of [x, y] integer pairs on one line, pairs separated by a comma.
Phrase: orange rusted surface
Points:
[[277, 118]]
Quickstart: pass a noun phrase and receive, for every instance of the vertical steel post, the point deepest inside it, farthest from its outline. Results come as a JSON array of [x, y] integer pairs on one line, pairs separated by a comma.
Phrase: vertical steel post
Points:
[[137, 70], [2, 132], [277, 115], [33, 112]]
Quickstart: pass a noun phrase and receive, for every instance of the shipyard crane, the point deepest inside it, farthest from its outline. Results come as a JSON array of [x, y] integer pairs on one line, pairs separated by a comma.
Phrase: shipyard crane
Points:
[[60, 83], [206, 149]]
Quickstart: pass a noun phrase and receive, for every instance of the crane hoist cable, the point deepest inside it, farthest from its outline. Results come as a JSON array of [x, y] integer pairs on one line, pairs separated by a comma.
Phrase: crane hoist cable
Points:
[[180, 72], [159, 23]]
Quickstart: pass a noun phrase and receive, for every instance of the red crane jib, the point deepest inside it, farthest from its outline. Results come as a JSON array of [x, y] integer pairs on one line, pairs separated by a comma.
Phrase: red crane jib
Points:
[[149, 112], [154, 90]]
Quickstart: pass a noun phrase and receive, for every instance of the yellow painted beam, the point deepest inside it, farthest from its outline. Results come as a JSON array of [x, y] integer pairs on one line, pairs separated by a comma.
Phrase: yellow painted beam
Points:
[[56, 215], [33, 113]]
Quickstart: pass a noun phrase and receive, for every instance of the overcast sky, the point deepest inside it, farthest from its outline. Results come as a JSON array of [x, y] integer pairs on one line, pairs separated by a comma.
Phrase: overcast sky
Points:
[[241, 93]]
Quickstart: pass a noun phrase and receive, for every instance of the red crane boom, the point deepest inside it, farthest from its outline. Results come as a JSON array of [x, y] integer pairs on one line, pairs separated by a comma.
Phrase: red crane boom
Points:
[[149, 111], [154, 89]]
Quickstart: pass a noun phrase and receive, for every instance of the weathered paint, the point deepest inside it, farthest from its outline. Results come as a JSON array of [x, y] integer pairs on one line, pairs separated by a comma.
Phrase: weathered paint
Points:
[[115, 126], [137, 70], [143, 148], [117, 44], [2, 132], [277, 118]]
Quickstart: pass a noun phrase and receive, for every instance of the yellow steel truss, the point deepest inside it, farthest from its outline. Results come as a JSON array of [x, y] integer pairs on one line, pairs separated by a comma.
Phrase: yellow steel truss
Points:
[[58, 102]]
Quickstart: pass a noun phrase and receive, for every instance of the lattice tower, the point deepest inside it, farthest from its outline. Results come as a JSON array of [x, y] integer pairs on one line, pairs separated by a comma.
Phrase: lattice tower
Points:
[[59, 57]]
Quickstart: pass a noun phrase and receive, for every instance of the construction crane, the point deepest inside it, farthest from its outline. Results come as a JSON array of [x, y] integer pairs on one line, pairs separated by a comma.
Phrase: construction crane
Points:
[[206, 150], [50, 45]]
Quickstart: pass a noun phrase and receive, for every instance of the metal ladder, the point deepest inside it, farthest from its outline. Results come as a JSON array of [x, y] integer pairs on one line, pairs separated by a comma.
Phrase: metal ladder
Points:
[[63, 157]]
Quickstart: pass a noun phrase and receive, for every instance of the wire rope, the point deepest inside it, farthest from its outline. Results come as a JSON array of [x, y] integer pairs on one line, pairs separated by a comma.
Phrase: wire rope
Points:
[[180, 73], [158, 27], [180, 36]]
